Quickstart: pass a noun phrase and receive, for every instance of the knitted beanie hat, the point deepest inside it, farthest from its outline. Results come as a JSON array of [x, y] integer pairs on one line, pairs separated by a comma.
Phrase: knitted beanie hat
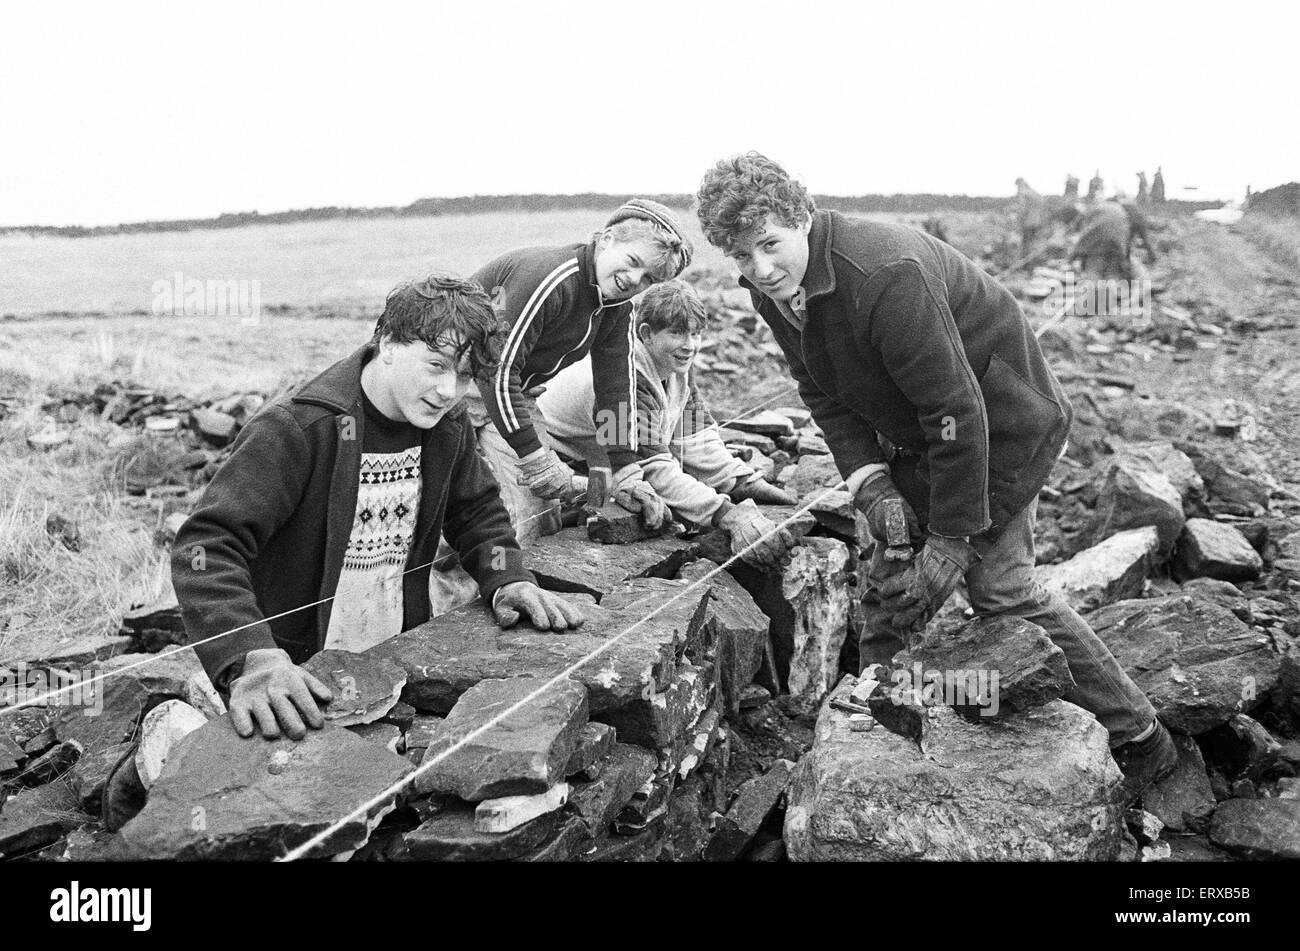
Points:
[[659, 216]]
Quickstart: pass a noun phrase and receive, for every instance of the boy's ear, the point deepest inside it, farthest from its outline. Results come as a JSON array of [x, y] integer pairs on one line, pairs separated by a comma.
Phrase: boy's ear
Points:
[[643, 332]]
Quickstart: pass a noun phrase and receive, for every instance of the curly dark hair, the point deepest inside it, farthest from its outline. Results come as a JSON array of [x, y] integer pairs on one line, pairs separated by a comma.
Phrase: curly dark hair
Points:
[[442, 309], [739, 192], [672, 305]]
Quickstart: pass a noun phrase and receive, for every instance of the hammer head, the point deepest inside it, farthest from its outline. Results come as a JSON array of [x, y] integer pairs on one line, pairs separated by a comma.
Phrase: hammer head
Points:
[[599, 479], [898, 541]]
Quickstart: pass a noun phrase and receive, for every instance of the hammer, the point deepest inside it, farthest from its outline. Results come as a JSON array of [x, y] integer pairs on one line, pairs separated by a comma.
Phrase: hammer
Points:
[[898, 542]]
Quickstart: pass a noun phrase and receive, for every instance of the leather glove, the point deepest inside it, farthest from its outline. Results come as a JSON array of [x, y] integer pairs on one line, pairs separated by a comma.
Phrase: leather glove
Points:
[[875, 490], [754, 536], [760, 490], [913, 597], [545, 474], [635, 494]]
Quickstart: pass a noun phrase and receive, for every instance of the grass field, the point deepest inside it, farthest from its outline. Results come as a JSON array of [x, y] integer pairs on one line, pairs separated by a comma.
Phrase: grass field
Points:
[[82, 317]]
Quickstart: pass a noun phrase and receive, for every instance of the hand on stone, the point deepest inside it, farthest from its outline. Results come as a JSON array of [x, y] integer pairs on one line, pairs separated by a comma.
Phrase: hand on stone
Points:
[[915, 596], [754, 536], [274, 694], [760, 490], [547, 610], [635, 494]]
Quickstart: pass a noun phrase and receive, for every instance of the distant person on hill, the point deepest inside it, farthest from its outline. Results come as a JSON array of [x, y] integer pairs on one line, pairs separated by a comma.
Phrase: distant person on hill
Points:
[[1095, 187], [556, 305], [1105, 245], [1158, 187], [319, 530], [679, 448], [940, 411], [1032, 216]]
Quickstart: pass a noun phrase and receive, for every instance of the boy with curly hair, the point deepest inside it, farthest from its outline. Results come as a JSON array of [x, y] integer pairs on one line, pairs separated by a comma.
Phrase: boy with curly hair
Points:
[[932, 392]]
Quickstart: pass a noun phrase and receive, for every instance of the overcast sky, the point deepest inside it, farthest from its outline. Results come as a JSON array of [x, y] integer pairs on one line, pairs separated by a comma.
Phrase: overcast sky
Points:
[[126, 112]]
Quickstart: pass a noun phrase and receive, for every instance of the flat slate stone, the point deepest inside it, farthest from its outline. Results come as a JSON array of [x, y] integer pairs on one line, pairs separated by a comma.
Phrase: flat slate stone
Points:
[[1040, 785], [365, 687], [1109, 571], [224, 797], [1209, 549], [523, 754], [1195, 661], [1258, 828], [765, 422], [625, 770], [595, 740], [754, 802], [174, 673], [569, 561], [566, 843], [34, 818], [1024, 668], [625, 654], [739, 437], [450, 837]]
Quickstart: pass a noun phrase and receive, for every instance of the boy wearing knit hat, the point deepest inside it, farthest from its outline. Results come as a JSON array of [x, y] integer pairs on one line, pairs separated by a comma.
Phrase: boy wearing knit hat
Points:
[[556, 305]]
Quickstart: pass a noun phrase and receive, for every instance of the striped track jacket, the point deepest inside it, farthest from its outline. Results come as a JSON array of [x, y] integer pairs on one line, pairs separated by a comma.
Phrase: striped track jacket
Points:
[[554, 315]]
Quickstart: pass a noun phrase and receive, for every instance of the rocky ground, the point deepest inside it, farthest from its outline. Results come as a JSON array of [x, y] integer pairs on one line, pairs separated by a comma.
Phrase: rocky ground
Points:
[[728, 725]]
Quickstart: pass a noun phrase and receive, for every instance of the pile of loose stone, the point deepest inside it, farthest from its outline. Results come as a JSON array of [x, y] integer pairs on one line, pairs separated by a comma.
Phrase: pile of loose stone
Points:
[[460, 740]]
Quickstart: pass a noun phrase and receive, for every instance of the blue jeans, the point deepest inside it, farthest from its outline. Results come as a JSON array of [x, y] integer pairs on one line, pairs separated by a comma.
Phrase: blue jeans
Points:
[[1002, 582]]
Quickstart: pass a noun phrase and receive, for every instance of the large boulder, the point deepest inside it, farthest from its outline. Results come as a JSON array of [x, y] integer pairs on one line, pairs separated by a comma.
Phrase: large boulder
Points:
[[1193, 658], [1040, 785], [1175, 464], [485, 749], [1258, 828], [1109, 571], [224, 797], [1209, 549], [1134, 494]]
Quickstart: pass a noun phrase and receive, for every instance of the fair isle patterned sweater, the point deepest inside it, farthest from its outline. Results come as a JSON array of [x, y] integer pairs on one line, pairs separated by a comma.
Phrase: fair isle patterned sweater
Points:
[[367, 605]]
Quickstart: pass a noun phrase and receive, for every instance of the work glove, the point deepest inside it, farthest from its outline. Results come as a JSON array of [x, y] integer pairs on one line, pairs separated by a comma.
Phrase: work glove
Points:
[[547, 610], [274, 694], [635, 494], [755, 537], [760, 490], [914, 596], [869, 499], [545, 474]]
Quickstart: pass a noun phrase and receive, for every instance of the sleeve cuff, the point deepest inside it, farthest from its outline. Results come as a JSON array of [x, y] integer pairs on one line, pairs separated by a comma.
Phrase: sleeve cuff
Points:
[[860, 475]]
